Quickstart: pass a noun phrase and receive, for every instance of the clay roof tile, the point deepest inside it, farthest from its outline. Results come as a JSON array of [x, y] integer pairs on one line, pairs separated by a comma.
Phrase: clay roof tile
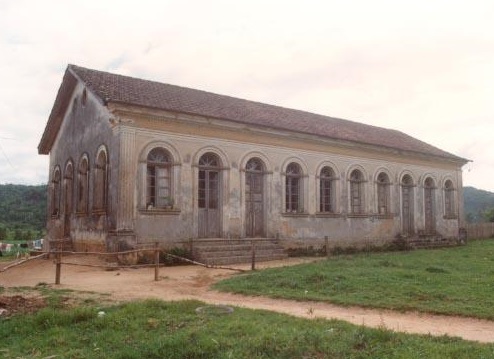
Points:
[[140, 92]]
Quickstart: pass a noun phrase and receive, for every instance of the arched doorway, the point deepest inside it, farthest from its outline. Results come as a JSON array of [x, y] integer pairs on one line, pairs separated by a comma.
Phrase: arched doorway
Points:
[[254, 198], [430, 220], [407, 218], [209, 196]]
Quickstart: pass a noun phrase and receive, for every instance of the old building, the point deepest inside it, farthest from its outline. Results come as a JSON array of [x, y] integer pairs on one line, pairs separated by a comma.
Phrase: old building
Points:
[[135, 161]]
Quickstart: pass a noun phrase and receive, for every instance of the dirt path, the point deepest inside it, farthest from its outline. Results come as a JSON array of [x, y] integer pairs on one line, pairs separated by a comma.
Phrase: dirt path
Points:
[[193, 282]]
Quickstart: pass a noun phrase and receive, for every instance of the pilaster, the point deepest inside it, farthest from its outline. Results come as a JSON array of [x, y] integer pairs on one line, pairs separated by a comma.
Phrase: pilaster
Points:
[[127, 171]]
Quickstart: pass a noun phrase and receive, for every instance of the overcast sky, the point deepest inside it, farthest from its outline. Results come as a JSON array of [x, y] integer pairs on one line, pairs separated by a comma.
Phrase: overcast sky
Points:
[[424, 67]]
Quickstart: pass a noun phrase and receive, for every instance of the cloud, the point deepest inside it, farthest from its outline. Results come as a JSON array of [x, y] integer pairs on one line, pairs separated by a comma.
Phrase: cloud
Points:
[[424, 68]]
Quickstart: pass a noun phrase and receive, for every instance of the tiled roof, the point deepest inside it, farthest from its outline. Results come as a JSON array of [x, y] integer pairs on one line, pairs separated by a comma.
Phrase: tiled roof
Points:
[[123, 89]]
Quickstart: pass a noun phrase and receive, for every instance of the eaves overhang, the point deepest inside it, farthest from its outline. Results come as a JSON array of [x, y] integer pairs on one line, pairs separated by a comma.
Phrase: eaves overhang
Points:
[[57, 113]]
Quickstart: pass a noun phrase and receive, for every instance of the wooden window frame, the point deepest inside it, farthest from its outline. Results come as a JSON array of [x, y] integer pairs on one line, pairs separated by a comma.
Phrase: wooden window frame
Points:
[[294, 188], [326, 190], [83, 186], [100, 190], [159, 179], [68, 181], [56, 192], [357, 193], [449, 200], [383, 194]]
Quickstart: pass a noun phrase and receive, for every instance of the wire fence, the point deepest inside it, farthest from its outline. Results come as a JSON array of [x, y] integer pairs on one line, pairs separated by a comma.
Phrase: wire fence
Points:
[[61, 257], [128, 258]]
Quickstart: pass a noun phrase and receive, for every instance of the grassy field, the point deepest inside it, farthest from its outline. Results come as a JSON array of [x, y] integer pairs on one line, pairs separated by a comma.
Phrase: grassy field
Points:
[[453, 281], [156, 329]]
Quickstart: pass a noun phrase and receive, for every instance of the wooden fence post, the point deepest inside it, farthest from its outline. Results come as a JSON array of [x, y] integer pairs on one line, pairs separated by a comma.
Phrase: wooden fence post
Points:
[[156, 262], [326, 244], [253, 249], [58, 266]]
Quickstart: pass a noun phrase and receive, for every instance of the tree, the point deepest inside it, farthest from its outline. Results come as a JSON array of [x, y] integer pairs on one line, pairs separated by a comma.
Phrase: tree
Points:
[[489, 215], [3, 233], [23, 206], [17, 234], [27, 235], [470, 218]]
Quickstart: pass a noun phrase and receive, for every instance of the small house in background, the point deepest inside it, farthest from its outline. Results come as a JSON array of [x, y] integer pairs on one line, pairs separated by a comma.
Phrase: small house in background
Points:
[[134, 161]]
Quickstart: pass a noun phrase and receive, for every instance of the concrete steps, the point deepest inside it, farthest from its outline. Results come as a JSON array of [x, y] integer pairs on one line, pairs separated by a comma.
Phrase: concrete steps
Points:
[[227, 251], [432, 242]]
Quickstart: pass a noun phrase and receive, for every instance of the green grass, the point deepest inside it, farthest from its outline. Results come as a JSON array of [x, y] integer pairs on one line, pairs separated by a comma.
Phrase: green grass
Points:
[[157, 329], [453, 281]]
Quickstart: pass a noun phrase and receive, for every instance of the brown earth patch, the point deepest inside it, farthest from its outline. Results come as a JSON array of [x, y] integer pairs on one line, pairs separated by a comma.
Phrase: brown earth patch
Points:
[[15, 304]]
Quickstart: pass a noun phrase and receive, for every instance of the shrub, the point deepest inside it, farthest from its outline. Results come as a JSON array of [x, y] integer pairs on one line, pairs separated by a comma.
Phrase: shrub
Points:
[[176, 251]]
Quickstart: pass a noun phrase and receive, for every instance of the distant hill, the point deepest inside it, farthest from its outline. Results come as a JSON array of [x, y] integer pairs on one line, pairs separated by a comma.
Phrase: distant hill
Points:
[[23, 207], [476, 202]]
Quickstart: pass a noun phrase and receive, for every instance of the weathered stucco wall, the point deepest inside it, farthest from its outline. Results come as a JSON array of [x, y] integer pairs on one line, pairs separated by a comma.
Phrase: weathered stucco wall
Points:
[[236, 146], [85, 131]]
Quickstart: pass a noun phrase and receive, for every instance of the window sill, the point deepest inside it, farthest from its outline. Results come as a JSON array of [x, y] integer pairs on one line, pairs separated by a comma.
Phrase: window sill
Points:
[[160, 211], [384, 216], [295, 214], [328, 214], [451, 217], [358, 215]]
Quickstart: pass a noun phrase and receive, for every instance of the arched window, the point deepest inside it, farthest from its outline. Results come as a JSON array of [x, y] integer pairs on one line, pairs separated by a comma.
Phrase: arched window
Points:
[[429, 211], [209, 161], [449, 199], [356, 192], [56, 188], [83, 185], [68, 188], [101, 182], [68, 197], [159, 179], [326, 190], [254, 165], [293, 188], [383, 194]]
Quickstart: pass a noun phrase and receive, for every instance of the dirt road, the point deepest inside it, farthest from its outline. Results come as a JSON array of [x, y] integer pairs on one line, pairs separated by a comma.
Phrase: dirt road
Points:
[[193, 282]]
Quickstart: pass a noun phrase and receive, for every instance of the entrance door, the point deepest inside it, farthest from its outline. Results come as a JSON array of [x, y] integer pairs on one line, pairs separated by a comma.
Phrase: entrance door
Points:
[[430, 222], [209, 197], [254, 198], [407, 205]]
